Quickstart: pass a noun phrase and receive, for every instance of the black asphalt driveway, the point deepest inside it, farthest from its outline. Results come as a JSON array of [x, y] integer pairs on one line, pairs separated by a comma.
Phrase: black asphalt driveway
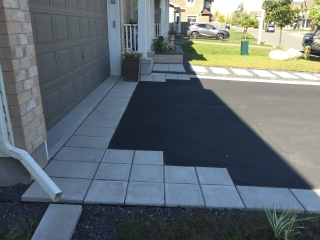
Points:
[[264, 134]]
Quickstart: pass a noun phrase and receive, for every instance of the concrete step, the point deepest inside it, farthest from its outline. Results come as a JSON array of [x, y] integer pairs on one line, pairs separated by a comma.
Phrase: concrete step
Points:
[[58, 222]]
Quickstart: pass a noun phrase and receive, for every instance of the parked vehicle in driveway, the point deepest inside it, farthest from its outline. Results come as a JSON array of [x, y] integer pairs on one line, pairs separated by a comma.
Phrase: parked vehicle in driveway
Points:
[[313, 40], [270, 28], [206, 30]]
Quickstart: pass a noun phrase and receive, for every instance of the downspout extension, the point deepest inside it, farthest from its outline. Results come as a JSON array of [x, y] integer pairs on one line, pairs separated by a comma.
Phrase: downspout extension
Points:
[[24, 157]]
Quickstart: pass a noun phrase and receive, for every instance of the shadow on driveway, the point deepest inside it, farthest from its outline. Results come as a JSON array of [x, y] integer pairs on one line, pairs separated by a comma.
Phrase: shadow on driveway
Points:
[[249, 134]]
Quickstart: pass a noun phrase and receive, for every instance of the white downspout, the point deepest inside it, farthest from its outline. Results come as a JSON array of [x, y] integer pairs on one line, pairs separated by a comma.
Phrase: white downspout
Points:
[[24, 157]]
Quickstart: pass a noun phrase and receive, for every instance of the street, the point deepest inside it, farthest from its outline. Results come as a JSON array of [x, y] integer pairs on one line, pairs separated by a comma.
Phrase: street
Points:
[[289, 39]]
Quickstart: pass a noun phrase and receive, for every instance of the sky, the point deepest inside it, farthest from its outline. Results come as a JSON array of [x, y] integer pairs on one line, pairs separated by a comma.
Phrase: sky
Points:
[[229, 6]]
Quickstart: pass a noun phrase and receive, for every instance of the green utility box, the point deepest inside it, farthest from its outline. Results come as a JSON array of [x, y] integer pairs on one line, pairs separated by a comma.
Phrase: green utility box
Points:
[[244, 47]]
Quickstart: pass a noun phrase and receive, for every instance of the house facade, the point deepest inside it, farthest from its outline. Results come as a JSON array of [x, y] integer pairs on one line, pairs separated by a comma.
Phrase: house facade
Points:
[[304, 20], [195, 11], [53, 54]]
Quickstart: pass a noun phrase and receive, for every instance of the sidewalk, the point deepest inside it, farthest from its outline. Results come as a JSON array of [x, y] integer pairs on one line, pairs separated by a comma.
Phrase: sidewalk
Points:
[[88, 172]]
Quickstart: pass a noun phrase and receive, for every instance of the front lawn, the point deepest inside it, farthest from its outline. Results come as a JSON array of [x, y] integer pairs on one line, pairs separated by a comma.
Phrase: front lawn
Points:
[[258, 58]]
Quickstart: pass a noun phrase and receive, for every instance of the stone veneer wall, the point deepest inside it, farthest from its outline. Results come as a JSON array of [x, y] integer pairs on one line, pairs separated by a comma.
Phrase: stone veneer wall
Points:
[[20, 74]]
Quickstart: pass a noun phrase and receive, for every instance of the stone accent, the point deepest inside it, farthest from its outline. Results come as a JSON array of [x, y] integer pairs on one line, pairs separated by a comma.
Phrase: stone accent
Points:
[[20, 73], [20, 76], [168, 58]]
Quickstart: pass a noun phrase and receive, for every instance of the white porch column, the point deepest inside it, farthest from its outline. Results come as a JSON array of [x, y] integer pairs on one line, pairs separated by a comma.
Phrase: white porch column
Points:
[[174, 19], [114, 29], [152, 32], [143, 26], [179, 23], [163, 18], [167, 18]]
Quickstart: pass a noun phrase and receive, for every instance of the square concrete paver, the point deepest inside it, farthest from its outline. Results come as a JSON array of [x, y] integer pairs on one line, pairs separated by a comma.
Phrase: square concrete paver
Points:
[[73, 191], [118, 156], [69, 169], [199, 69], [176, 68], [113, 171], [146, 173], [148, 157], [80, 154], [241, 72], [219, 70], [95, 132], [177, 174], [145, 194], [183, 77], [217, 176], [256, 198], [146, 78], [161, 67], [216, 196], [104, 115], [170, 76], [310, 199], [111, 123], [88, 142], [106, 192], [285, 74], [159, 78], [263, 73], [306, 76], [183, 195]]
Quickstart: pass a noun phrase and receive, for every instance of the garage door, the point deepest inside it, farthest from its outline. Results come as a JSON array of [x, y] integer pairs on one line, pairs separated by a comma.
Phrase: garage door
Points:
[[72, 52]]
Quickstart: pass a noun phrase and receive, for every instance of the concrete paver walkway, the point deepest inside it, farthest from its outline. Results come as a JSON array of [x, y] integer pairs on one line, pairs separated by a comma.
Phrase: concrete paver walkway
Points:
[[88, 172]]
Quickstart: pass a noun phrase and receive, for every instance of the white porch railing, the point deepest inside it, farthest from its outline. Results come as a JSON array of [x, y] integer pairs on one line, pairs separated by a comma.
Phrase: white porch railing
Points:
[[131, 35], [157, 30]]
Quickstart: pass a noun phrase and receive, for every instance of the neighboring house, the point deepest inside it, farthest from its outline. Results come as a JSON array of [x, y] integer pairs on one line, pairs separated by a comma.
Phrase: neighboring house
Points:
[[304, 20], [194, 11], [257, 14], [54, 53]]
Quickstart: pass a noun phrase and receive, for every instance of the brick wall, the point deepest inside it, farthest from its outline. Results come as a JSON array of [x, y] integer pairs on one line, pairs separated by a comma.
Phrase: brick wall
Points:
[[18, 61]]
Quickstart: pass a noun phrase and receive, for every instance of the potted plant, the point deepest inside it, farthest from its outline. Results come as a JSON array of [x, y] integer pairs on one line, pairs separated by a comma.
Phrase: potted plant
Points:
[[171, 34], [131, 66]]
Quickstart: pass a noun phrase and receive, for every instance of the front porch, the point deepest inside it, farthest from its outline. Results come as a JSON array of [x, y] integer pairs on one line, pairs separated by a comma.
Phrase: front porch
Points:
[[152, 22]]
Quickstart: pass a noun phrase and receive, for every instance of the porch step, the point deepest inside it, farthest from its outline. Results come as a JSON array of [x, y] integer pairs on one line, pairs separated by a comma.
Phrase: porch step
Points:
[[58, 222]]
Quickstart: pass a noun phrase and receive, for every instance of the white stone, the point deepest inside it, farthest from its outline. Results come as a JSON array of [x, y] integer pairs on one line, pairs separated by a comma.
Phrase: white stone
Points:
[[216, 196], [278, 55], [310, 199], [293, 53], [256, 198]]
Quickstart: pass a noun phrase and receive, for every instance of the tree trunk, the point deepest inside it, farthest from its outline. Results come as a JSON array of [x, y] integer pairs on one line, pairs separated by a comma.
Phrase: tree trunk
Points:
[[280, 36]]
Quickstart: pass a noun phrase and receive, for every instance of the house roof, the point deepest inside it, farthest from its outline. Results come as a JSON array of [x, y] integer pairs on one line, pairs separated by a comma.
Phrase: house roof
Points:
[[205, 11]]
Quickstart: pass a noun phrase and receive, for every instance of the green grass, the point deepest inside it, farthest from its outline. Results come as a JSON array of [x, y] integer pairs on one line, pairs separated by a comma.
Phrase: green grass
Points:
[[231, 226], [258, 58], [235, 38]]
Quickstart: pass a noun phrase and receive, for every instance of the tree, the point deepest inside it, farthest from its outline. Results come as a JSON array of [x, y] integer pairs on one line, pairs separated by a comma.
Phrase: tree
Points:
[[221, 18], [280, 12], [236, 15], [314, 13], [247, 21]]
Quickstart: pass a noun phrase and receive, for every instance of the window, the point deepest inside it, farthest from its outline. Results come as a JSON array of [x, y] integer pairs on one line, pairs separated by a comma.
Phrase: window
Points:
[[210, 27], [207, 4], [191, 18], [190, 3]]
